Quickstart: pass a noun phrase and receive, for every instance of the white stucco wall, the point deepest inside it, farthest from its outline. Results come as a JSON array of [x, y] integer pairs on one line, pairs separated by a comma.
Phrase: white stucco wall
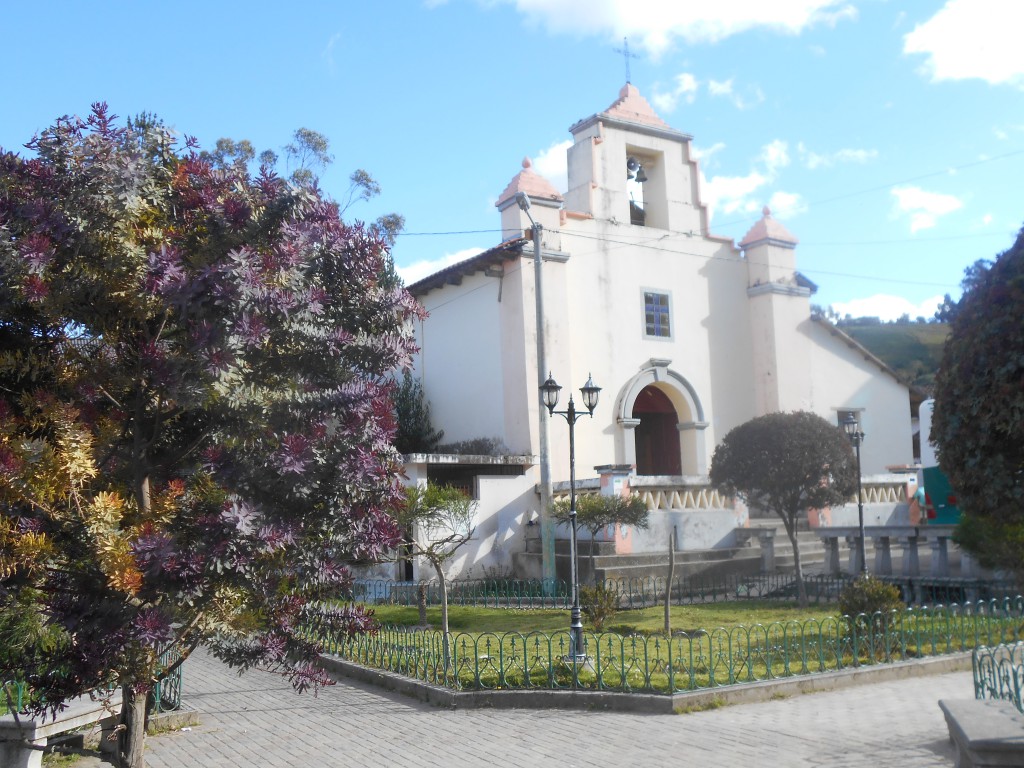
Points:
[[843, 379], [460, 359], [505, 504]]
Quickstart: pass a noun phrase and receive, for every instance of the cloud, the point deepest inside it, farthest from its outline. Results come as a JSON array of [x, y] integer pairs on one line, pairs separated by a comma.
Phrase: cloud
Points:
[[737, 194], [327, 54], [733, 193], [706, 154], [971, 39], [720, 88], [888, 308], [426, 267], [813, 160], [686, 86], [775, 155], [724, 89], [655, 25], [924, 208], [552, 164], [786, 205]]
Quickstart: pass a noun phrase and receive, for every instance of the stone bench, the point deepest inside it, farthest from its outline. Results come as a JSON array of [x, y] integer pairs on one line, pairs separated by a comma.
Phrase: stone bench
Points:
[[986, 732], [21, 739]]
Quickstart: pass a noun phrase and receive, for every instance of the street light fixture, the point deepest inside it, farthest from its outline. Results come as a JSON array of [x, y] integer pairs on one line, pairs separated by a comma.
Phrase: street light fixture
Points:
[[549, 390], [852, 428]]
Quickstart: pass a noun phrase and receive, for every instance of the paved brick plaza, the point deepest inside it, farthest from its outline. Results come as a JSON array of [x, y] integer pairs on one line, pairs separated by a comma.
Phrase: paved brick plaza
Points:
[[257, 720]]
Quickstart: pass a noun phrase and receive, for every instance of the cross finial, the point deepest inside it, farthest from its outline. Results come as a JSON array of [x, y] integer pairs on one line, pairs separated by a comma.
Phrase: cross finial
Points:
[[624, 50]]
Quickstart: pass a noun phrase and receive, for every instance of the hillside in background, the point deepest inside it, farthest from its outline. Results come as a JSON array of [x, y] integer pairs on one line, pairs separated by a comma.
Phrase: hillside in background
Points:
[[913, 350]]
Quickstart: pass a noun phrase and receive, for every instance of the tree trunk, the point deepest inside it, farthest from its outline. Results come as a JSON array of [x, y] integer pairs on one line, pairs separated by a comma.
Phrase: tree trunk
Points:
[[421, 602], [132, 743], [446, 642], [668, 584], [801, 588]]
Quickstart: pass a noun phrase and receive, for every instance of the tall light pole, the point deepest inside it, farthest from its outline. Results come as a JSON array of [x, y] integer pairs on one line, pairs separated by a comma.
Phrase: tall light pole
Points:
[[852, 428], [549, 390], [547, 525]]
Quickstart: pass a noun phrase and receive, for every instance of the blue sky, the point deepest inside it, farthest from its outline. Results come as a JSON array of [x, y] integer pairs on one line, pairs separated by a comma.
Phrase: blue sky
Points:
[[888, 136]]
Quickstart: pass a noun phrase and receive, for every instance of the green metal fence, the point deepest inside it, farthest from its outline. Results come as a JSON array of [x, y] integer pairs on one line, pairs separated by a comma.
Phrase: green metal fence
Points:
[[12, 696], [167, 692], [999, 673], [646, 592], [686, 661]]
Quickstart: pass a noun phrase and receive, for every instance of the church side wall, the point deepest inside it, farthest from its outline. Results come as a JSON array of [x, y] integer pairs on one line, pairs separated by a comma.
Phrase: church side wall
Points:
[[842, 378], [460, 363]]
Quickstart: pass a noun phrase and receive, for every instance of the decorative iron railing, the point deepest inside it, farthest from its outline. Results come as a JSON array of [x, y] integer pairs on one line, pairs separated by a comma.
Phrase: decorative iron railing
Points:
[[999, 673], [167, 692], [685, 661], [646, 592], [12, 696]]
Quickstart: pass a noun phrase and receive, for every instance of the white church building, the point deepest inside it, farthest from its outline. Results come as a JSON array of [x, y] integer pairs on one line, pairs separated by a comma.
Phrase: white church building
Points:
[[688, 334]]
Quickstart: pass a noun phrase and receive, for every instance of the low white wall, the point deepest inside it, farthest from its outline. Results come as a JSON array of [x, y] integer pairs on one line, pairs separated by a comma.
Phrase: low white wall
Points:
[[886, 502], [506, 505]]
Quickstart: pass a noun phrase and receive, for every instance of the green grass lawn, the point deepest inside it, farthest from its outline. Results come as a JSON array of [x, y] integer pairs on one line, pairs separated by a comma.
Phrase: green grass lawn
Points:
[[741, 642], [647, 620]]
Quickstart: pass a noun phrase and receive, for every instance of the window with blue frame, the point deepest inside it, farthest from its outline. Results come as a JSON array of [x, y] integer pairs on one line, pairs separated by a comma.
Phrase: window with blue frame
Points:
[[657, 315]]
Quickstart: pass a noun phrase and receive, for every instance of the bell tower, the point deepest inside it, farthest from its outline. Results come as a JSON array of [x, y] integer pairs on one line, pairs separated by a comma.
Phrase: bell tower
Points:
[[779, 305]]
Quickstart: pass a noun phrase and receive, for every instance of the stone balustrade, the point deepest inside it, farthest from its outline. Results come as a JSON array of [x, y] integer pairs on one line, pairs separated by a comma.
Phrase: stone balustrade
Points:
[[909, 538]]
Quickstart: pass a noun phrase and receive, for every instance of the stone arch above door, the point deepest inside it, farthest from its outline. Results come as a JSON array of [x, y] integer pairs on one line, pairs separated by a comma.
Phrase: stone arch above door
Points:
[[689, 411]]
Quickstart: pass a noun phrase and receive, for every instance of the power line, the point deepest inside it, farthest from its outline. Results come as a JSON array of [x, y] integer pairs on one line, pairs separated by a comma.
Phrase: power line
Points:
[[458, 232], [889, 185], [643, 241], [824, 201], [735, 260]]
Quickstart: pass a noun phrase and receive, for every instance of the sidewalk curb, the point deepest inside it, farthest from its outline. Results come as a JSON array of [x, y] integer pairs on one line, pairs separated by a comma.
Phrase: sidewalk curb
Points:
[[741, 693]]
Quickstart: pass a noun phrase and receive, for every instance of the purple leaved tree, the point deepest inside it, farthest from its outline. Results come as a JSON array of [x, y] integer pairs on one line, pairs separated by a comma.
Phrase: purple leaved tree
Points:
[[195, 413]]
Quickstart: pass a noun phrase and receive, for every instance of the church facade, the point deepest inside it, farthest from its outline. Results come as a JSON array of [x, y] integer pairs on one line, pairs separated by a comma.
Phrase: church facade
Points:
[[688, 334]]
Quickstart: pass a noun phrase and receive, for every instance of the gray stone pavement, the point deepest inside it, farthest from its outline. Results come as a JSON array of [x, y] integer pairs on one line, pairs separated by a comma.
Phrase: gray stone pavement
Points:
[[257, 720]]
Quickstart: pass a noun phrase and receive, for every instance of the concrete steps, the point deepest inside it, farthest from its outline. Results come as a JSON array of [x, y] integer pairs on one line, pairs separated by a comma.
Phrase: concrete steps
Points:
[[741, 560]]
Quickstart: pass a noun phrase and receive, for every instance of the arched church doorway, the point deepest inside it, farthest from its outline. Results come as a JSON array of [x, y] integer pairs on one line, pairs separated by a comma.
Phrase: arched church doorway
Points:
[[657, 434]]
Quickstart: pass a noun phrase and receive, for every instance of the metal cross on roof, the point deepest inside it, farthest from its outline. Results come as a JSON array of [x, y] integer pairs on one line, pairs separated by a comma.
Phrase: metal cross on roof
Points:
[[624, 50]]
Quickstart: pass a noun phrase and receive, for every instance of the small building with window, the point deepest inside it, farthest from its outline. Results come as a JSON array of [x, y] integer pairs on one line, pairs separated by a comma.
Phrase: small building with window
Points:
[[689, 334]]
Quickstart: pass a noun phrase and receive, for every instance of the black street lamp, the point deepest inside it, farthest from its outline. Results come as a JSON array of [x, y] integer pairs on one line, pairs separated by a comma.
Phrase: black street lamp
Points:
[[852, 428], [549, 391]]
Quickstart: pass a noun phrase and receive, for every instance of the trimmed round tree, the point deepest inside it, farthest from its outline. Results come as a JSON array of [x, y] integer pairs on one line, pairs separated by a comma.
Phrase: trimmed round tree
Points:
[[978, 426], [195, 412], [787, 463]]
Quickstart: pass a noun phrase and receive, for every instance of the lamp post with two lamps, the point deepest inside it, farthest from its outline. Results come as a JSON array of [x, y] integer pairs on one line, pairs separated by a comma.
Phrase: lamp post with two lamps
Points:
[[852, 428], [549, 390]]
